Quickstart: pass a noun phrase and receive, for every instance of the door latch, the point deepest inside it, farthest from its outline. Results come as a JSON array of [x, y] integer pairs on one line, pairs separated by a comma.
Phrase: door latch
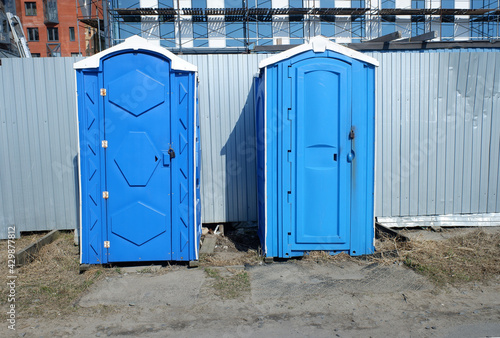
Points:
[[171, 152], [351, 134]]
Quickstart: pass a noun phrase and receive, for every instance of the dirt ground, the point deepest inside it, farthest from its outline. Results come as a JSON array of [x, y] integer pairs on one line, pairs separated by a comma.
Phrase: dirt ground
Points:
[[443, 283]]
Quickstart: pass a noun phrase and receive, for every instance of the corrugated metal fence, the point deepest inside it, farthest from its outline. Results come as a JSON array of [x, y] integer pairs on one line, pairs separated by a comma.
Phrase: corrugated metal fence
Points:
[[438, 133], [438, 137], [226, 104], [38, 145]]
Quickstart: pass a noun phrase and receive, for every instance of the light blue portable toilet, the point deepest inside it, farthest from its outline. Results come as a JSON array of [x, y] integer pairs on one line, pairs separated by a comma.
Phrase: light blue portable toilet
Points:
[[138, 135], [315, 122]]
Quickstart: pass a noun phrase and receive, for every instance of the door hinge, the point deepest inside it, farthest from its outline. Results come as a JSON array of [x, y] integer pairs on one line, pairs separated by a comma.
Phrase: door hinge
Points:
[[103, 91], [105, 195], [104, 143], [106, 244]]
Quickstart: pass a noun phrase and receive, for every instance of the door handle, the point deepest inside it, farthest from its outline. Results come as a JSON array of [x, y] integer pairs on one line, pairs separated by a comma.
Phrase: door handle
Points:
[[350, 156]]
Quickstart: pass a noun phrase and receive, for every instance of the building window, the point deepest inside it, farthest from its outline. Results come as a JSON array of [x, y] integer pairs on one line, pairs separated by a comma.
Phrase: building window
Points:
[[32, 34], [417, 25], [200, 34], [447, 4], [388, 24], [4, 28], [328, 29], [326, 3], [72, 34], [296, 32], [35, 55], [30, 8], [233, 3], [358, 3], [448, 28], [53, 49], [358, 27], [478, 4], [264, 33], [418, 4], [167, 34], [52, 34], [388, 4], [75, 54], [199, 4]]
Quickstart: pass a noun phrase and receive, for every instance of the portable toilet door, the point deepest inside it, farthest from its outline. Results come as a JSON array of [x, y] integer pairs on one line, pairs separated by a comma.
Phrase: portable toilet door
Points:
[[138, 140], [315, 123]]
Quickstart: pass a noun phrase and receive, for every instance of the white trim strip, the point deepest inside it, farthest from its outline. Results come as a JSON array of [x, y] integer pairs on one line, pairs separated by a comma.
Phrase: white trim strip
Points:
[[318, 44], [465, 220], [136, 43], [195, 107], [79, 168]]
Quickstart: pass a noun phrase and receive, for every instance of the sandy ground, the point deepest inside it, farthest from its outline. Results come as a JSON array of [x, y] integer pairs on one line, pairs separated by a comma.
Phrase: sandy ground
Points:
[[292, 299], [296, 298]]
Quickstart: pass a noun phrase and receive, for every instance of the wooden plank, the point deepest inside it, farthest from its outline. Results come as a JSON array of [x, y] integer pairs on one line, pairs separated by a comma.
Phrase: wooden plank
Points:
[[193, 264], [27, 254], [208, 245], [382, 229]]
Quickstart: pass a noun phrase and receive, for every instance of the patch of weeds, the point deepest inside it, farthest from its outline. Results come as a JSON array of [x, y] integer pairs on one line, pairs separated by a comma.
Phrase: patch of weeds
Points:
[[87, 283], [465, 258], [48, 290], [212, 273], [233, 285], [147, 269], [51, 284]]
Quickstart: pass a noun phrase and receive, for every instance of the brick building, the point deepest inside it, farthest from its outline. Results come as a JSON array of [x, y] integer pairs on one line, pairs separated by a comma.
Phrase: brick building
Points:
[[51, 27]]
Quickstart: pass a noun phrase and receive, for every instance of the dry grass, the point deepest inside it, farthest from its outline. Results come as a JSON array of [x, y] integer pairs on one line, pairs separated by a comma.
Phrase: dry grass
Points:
[[51, 284], [231, 251], [250, 257], [464, 258], [324, 257]]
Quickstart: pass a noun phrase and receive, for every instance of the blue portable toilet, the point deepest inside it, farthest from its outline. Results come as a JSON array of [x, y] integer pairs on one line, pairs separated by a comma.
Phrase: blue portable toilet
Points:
[[138, 155], [315, 112]]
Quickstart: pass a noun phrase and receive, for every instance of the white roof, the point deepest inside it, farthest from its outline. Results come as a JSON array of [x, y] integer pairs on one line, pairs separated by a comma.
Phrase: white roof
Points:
[[318, 44], [136, 43]]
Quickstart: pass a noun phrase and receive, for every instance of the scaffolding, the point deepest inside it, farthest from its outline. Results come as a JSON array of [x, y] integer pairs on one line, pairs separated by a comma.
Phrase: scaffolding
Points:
[[92, 17], [243, 29]]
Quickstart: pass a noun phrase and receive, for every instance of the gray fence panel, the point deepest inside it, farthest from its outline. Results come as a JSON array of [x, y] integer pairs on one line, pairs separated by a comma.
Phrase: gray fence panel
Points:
[[226, 106], [38, 145], [437, 121], [438, 133]]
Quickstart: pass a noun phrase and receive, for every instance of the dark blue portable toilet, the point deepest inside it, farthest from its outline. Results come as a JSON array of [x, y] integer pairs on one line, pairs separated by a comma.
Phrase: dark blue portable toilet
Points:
[[315, 111], [138, 155]]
